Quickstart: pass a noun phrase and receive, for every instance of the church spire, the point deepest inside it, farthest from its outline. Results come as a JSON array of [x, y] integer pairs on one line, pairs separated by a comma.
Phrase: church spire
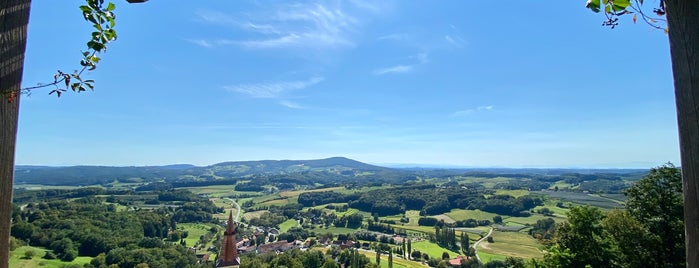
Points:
[[230, 226], [228, 257]]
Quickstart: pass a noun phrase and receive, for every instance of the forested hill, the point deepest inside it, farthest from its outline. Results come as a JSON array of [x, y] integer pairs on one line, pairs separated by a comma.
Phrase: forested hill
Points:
[[335, 170], [91, 175]]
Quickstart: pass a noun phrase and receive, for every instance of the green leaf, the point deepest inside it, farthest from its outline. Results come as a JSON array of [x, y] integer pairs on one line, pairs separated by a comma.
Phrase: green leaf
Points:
[[607, 9], [97, 46], [620, 5], [593, 5], [111, 6], [86, 9]]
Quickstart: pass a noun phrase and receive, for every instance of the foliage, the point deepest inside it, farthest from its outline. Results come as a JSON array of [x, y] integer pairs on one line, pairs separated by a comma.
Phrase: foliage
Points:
[[613, 9], [585, 238], [656, 202], [88, 227], [543, 230], [649, 233]]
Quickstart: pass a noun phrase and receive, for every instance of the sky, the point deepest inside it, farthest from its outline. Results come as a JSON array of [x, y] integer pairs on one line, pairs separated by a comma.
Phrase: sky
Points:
[[448, 83]]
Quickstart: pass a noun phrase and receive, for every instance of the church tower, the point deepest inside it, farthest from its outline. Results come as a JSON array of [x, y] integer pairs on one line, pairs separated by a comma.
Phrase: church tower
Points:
[[228, 257]]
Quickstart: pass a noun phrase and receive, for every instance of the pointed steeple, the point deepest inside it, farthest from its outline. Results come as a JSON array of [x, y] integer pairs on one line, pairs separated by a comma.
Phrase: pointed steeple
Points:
[[230, 226], [228, 257]]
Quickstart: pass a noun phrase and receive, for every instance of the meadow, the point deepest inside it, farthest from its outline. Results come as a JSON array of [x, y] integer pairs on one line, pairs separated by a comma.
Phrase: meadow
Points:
[[17, 259]]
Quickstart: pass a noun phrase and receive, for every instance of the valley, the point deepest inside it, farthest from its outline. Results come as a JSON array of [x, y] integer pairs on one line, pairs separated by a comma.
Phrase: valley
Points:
[[420, 216]]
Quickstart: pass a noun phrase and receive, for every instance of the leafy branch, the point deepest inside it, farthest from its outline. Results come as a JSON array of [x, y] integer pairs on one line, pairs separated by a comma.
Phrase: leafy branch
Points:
[[613, 9], [102, 19]]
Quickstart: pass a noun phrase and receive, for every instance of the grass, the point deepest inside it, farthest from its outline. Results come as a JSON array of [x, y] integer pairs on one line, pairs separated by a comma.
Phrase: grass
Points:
[[299, 192], [465, 214], [445, 218], [486, 182], [253, 215], [525, 220], [397, 262], [510, 244], [17, 259], [213, 190], [514, 193], [195, 231], [562, 185], [335, 230], [432, 249], [275, 202], [288, 224], [488, 257]]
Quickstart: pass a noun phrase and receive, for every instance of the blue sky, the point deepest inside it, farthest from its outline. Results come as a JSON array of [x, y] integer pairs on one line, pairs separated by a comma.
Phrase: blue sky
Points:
[[467, 83]]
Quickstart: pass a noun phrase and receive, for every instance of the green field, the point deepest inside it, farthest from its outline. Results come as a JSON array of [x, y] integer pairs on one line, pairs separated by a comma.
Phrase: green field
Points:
[[214, 190], [432, 249], [17, 259], [465, 214], [515, 193], [335, 230], [195, 231], [299, 192], [486, 182], [288, 224], [525, 220], [510, 244]]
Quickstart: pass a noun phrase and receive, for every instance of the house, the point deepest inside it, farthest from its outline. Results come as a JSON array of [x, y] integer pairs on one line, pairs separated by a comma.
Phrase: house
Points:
[[456, 262], [279, 246]]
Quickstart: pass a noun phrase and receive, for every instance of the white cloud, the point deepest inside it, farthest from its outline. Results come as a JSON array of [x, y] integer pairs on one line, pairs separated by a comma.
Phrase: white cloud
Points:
[[292, 105], [394, 69], [394, 37], [274, 89], [471, 111], [201, 42], [463, 112], [315, 25], [421, 58]]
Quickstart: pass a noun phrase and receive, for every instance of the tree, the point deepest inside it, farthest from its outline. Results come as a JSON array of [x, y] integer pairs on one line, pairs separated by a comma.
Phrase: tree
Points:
[[29, 254], [582, 240], [14, 15], [464, 242], [683, 32], [378, 255], [445, 255], [656, 202], [390, 259], [12, 46], [497, 219], [410, 248], [632, 239]]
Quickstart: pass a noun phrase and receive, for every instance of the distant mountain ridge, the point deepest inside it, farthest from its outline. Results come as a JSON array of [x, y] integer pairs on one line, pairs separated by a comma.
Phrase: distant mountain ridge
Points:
[[89, 175], [334, 169]]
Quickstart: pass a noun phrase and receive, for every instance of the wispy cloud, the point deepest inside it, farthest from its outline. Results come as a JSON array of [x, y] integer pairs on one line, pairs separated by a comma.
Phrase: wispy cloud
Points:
[[317, 25], [291, 105], [201, 42], [471, 111], [421, 58], [273, 89], [394, 69], [454, 37], [394, 37]]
